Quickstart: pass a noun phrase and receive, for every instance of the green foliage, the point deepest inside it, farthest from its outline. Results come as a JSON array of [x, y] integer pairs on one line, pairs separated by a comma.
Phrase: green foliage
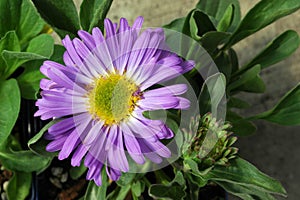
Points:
[[176, 25], [19, 186], [61, 15], [93, 12], [242, 173], [227, 19], [286, 111], [277, 50], [77, 172], [197, 23], [261, 15], [119, 193], [21, 16], [8, 42], [37, 145], [96, 192], [212, 93], [240, 125], [243, 79], [29, 80], [237, 103], [30, 23], [22, 160], [174, 190], [9, 109], [226, 13]]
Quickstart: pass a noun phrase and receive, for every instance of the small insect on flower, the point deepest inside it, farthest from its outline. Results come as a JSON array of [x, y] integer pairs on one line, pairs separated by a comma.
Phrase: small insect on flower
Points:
[[101, 93]]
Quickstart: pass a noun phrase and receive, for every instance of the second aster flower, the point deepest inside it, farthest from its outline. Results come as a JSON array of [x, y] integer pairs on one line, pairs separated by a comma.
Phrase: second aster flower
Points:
[[101, 93]]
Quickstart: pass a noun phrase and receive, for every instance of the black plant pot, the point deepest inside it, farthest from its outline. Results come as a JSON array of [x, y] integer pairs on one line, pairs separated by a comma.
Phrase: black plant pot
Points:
[[29, 126]]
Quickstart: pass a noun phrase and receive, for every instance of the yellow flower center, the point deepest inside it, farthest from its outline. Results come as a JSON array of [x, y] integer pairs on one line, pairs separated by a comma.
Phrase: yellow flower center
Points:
[[113, 98]]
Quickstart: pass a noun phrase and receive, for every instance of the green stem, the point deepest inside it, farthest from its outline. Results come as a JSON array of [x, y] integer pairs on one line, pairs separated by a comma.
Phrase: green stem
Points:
[[147, 182], [162, 177]]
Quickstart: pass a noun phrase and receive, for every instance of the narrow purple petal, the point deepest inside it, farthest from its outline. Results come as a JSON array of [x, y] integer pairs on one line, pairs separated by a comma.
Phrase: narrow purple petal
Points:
[[138, 23], [116, 155], [157, 103], [56, 145], [183, 103], [124, 26], [79, 153], [111, 137], [167, 91], [132, 145], [163, 74], [70, 144], [93, 133], [113, 174], [141, 130], [87, 39]]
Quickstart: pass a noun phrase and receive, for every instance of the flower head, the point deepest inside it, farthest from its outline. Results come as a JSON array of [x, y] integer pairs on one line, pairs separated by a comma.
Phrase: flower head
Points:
[[102, 92]]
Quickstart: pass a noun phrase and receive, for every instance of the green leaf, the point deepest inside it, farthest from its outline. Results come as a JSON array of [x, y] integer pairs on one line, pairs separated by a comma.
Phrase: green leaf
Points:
[[20, 15], [136, 188], [38, 145], [77, 172], [61, 15], [126, 179], [176, 24], [97, 192], [218, 9], [226, 20], [244, 173], [174, 190], [286, 111], [29, 80], [9, 109], [58, 53], [9, 42], [119, 193], [41, 45], [196, 24], [212, 93], [240, 126], [192, 165], [233, 59], [245, 192], [237, 103], [276, 51], [244, 78], [9, 17], [211, 40], [23, 160], [224, 64], [255, 85], [30, 23], [93, 13], [261, 15], [15, 59], [19, 186]]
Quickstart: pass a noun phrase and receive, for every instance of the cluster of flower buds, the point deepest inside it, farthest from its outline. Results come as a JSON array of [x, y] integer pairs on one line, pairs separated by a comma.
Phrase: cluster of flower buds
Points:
[[211, 144]]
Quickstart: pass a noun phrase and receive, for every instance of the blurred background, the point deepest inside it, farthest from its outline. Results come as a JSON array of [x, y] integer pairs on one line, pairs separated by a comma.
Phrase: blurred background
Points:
[[273, 149]]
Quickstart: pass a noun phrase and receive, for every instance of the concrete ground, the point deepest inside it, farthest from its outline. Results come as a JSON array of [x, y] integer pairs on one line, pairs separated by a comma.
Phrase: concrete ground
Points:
[[273, 149]]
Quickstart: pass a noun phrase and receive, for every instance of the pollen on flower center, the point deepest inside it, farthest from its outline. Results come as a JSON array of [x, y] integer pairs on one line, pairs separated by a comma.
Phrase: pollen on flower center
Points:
[[113, 98]]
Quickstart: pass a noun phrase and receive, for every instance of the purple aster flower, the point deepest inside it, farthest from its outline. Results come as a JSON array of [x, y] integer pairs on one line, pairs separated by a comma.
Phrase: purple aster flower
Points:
[[101, 93]]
